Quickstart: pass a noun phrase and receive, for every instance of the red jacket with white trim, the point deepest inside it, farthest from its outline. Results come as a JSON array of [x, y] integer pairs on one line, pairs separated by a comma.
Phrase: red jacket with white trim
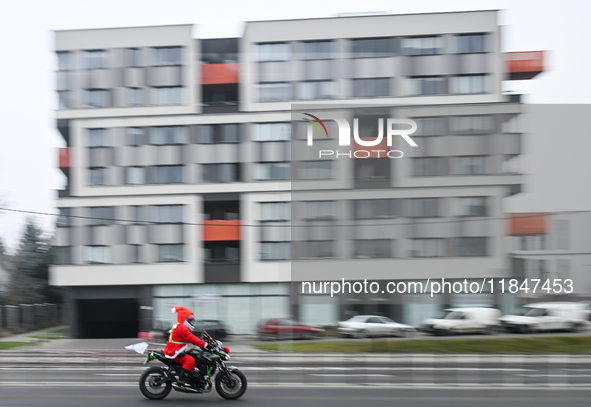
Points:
[[178, 339]]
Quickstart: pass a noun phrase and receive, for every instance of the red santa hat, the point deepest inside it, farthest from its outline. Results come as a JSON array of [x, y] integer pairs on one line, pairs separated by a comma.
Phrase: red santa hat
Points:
[[182, 314]]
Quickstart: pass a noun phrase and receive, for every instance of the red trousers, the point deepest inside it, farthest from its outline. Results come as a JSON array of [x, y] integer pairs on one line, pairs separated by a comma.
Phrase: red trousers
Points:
[[188, 362]]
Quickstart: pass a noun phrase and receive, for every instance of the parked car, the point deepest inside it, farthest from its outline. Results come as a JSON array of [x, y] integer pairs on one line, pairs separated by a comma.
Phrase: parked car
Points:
[[364, 326], [463, 320], [549, 316], [281, 328], [216, 328]]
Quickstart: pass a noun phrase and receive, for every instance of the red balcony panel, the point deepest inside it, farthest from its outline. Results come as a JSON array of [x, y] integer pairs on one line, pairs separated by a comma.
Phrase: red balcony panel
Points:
[[524, 65], [214, 74], [221, 230], [527, 223], [358, 149], [64, 157]]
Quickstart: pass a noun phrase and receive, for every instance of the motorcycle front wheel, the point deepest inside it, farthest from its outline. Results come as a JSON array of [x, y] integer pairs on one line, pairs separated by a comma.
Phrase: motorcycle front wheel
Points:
[[152, 384], [232, 387]]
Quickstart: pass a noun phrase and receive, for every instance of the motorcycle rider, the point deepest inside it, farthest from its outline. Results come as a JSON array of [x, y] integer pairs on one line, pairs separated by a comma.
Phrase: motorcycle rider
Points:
[[178, 340]]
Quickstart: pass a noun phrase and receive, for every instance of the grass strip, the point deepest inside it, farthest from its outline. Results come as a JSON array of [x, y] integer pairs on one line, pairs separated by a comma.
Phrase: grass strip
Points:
[[10, 345]]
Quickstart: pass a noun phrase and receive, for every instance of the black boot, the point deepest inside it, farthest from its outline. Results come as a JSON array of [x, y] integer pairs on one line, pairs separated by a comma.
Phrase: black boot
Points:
[[185, 378]]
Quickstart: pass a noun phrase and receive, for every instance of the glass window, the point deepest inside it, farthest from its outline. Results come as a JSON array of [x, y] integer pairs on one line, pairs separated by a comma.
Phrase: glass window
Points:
[[317, 210], [100, 216], [132, 57], [135, 215], [371, 169], [471, 206], [430, 126], [169, 135], [276, 51], [218, 133], [221, 252], [310, 90], [427, 85], [226, 172], [64, 98], [134, 253], [317, 249], [374, 208], [135, 97], [64, 61], [166, 174], [135, 175], [373, 249], [135, 136], [432, 247], [469, 165], [422, 207], [471, 43], [371, 48], [166, 56], [316, 50], [97, 98], [170, 253], [97, 255], [97, 138], [274, 211], [319, 169], [62, 255], [275, 251], [96, 59], [371, 87], [273, 171], [429, 166], [167, 95], [274, 91], [168, 214], [471, 125], [432, 45], [64, 219], [469, 246], [467, 84], [97, 176], [271, 132]]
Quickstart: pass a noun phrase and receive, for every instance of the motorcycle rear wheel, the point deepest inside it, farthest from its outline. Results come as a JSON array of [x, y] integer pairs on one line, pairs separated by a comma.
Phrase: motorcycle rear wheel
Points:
[[231, 391], [152, 385]]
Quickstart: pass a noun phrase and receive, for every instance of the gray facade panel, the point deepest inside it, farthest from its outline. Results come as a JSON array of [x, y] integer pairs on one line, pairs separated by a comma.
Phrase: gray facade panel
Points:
[[134, 77], [372, 67], [275, 71], [164, 76], [429, 65], [165, 234], [473, 63], [318, 70]]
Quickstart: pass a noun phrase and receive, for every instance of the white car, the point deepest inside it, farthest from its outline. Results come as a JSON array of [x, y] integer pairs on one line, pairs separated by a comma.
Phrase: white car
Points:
[[364, 326], [549, 316], [463, 320]]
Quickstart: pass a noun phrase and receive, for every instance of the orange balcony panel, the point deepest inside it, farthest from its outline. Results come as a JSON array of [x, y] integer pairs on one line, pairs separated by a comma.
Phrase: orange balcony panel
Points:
[[360, 151], [524, 65], [64, 157], [220, 230], [527, 223], [213, 74]]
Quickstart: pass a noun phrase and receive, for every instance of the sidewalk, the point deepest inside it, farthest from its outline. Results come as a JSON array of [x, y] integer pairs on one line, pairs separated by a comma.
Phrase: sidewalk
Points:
[[26, 336]]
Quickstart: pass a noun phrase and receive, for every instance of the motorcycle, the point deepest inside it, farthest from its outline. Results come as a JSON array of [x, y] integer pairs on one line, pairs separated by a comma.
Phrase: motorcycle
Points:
[[210, 370]]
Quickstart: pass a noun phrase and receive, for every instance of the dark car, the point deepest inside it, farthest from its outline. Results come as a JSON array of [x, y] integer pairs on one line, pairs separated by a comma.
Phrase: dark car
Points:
[[281, 328], [216, 328]]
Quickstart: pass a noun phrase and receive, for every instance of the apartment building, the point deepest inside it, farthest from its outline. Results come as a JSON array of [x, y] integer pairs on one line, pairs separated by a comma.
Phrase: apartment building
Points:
[[190, 179]]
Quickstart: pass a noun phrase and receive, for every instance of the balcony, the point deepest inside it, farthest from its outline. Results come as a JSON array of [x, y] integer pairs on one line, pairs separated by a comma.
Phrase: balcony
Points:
[[221, 230], [524, 65], [216, 74]]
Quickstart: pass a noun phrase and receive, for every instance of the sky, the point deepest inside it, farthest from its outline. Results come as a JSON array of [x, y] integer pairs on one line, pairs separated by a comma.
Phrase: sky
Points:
[[28, 140]]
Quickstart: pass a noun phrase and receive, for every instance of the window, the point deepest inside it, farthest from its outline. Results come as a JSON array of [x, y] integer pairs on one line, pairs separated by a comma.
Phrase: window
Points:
[[320, 169], [100, 216], [371, 87], [133, 57], [316, 50], [432, 45], [276, 51], [422, 208], [135, 136], [371, 48], [372, 169], [170, 253], [317, 249], [169, 135], [97, 255], [167, 95], [62, 255], [64, 98], [168, 214], [274, 211], [432, 247], [97, 138], [429, 166], [372, 248], [429, 126], [469, 246], [97, 59], [227, 172], [135, 215], [310, 90], [218, 133], [465, 84], [135, 175], [97, 176], [274, 171], [166, 174], [427, 85], [271, 132], [275, 251], [166, 56], [64, 61], [221, 252], [134, 97], [471, 206], [471, 43], [98, 98], [471, 125], [134, 253], [64, 219], [318, 210], [274, 91], [469, 165], [374, 208]]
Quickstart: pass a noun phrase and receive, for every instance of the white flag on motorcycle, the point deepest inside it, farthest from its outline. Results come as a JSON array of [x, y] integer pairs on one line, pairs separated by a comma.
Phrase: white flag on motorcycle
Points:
[[138, 347]]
